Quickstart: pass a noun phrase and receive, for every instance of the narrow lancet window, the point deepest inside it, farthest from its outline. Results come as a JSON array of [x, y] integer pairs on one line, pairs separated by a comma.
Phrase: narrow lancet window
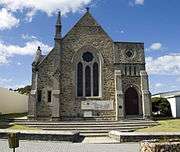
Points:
[[125, 70], [88, 81], [130, 70], [80, 79], [49, 96], [134, 70], [95, 79], [39, 95]]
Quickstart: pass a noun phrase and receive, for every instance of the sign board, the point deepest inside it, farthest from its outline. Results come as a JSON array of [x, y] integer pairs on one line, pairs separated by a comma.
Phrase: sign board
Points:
[[97, 105]]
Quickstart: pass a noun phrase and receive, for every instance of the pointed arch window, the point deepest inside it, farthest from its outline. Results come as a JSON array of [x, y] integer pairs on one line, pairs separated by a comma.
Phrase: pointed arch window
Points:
[[88, 78], [95, 79], [80, 79], [88, 81]]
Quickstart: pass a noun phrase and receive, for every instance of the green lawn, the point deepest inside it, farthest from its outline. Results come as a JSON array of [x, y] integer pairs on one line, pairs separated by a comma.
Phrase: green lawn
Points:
[[12, 115], [9, 125], [171, 125], [22, 127]]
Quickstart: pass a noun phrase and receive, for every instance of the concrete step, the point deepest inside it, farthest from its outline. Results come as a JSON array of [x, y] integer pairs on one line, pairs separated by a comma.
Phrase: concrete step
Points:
[[94, 134], [91, 133], [97, 128], [91, 128], [88, 125]]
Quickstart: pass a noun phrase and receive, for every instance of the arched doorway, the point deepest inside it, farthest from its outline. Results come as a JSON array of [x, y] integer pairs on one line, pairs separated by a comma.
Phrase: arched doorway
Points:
[[131, 102]]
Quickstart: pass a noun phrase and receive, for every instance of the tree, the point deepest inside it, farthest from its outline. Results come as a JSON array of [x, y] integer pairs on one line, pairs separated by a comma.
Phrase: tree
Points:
[[161, 106], [26, 90]]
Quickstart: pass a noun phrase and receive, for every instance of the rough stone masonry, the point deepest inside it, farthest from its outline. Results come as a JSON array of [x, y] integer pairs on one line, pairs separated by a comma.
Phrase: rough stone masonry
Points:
[[88, 76]]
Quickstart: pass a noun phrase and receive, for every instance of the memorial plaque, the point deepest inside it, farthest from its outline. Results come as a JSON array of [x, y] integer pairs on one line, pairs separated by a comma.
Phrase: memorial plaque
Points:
[[97, 105], [87, 113]]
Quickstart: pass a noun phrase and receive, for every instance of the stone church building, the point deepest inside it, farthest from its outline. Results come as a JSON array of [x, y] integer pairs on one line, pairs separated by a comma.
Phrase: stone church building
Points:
[[88, 76]]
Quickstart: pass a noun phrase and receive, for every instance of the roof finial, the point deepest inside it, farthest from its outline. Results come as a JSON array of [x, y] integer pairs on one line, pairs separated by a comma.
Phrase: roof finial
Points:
[[58, 27], [37, 56], [87, 9], [59, 19], [39, 48]]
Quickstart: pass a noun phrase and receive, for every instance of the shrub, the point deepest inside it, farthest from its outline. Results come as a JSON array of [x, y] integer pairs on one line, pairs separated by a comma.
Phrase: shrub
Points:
[[161, 107], [25, 90]]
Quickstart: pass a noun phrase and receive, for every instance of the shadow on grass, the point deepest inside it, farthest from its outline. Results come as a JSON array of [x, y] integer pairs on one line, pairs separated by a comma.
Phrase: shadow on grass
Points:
[[158, 118], [6, 120]]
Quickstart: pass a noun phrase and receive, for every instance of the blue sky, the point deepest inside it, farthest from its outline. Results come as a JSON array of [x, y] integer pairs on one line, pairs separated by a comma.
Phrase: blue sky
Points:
[[26, 24]]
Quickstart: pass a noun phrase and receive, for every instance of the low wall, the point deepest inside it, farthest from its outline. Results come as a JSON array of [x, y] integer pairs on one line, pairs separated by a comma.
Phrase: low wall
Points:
[[138, 136], [12, 102], [70, 136], [150, 146]]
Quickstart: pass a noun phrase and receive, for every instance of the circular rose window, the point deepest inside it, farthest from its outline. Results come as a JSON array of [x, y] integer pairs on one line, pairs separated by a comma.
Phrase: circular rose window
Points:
[[87, 56], [129, 53]]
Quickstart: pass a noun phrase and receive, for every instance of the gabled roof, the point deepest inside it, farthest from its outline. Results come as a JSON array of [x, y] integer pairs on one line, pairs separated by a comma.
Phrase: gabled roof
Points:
[[87, 20]]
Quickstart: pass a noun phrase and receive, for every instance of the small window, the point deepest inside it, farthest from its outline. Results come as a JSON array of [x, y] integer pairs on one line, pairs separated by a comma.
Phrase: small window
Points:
[[125, 70], [130, 70], [49, 96], [39, 95], [134, 70]]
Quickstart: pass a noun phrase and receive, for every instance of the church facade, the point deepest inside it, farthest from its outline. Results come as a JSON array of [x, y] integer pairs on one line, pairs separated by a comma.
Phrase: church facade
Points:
[[88, 76]]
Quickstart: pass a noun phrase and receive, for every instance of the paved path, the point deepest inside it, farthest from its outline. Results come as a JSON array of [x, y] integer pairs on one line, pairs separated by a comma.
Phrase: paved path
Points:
[[39, 146], [99, 140]]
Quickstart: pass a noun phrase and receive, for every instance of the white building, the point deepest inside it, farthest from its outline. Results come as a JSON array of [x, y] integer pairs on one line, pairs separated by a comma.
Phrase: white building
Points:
[[174, 100], [12, 102]]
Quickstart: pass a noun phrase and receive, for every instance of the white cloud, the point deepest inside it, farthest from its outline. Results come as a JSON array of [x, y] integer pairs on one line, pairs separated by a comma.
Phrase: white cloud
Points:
[[178, 79], [47, 6], [28, 37], [164, 65], [30, 47], [7, 19], [155, 46], [139, 2], [9, 83], [5, 82], [158, 85], [19, 63], [3, 59], [122, 32], [163, 87]]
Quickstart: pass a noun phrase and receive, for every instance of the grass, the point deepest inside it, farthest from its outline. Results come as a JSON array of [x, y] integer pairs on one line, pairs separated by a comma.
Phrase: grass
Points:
[[170, 125], [5, 124], [21, 127], [12, 115]]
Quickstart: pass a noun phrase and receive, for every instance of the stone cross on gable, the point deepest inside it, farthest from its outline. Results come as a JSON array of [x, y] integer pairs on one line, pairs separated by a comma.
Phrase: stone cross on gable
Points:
[[87, 8]]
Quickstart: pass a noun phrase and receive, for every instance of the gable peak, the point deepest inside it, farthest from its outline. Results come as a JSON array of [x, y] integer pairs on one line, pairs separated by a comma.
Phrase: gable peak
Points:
[[87, 19], [87, 9]]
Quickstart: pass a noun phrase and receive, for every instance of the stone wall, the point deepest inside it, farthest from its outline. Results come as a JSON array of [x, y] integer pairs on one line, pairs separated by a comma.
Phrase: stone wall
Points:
[[67, 136], [57, 72], [138, 52], [150, 146], [46, 71], [86, 38]]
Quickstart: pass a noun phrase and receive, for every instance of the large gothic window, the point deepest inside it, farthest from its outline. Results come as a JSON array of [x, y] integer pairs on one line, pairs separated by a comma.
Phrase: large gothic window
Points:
[[88, 75]]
